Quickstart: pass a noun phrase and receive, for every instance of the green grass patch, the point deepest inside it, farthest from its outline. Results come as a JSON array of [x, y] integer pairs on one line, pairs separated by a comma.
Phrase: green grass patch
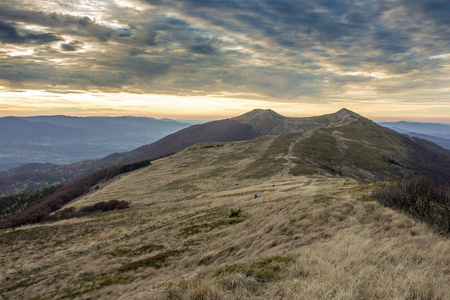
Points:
[[323, 199], [303, 217], [207, 227], [96, 282], [193, 242], [146, 249], [264, 270], [300, 169], [206, 260], [155, 261], [229, 251]]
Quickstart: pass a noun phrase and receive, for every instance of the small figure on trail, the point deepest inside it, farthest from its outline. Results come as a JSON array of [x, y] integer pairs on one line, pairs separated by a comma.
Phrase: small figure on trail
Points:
[[256, 196]]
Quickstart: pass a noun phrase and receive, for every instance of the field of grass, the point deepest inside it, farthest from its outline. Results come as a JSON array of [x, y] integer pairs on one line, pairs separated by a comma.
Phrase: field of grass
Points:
[[194, 230]]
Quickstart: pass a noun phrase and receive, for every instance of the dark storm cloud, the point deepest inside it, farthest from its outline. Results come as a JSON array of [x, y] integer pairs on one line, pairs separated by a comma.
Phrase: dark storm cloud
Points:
[[72, 46], [302, 24], [437, 11], [69, 24], [10, 35], [205, 46], [274, 48], [135, 52]]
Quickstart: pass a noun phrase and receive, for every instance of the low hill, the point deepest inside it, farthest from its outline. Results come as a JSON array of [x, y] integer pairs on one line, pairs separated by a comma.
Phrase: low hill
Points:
[[195, 229]]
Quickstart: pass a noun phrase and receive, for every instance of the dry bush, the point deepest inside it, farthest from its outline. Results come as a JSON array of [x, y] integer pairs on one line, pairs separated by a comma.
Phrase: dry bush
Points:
[[420, 197], [207, 290]]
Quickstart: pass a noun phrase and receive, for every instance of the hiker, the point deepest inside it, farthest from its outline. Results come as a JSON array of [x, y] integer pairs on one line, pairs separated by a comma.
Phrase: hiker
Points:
[[256, 196]]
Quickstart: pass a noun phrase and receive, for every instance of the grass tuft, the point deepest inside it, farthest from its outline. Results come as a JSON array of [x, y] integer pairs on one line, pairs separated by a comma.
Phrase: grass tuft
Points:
[[155, 261], [264, 270]]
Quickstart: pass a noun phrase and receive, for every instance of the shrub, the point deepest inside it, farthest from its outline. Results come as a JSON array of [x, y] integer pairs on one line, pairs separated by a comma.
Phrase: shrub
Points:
[[421, 198], [235, 213], [71, 212]]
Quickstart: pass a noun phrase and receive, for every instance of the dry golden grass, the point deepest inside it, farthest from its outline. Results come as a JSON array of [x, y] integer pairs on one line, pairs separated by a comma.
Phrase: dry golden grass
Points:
[[302, 238]]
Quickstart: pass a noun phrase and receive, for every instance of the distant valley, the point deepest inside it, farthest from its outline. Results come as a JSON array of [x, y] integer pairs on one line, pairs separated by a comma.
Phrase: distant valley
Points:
[[65, 140]]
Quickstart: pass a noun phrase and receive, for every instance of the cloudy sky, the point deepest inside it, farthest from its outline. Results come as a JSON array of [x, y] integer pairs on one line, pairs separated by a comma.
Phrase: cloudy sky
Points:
[[385, 59]]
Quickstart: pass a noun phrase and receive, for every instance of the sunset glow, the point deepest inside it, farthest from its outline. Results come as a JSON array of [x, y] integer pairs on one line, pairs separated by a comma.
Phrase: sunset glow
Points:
[[386, 60]]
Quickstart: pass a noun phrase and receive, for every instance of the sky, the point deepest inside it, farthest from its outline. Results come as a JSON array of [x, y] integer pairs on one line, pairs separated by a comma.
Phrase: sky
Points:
[[208, 59]]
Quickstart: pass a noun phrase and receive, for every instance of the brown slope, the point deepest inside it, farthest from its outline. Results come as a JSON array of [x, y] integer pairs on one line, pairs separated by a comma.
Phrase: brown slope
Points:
[[228, 130]]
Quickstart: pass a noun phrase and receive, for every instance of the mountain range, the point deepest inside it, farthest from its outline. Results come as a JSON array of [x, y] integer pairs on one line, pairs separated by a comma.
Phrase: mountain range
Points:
[[64, 139], [254, 207], [342, 143], [433, 132]]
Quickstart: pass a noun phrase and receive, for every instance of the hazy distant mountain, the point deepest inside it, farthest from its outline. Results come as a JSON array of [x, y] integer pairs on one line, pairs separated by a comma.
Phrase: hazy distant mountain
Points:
[[64, 139], [434, 132], [434, 129]]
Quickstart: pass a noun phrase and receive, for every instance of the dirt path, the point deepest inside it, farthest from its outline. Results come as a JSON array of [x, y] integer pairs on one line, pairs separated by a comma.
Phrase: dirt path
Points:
[[288, 158], [289, 155]]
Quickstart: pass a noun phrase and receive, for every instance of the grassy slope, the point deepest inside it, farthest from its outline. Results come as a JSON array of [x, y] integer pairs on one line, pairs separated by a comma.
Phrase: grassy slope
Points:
[[364, 150], [305, 237], [353, 150]]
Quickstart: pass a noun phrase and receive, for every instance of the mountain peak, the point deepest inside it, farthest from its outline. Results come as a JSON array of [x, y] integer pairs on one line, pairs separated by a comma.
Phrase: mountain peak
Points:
[[262, 121], [266, 121], [345, 113], [260, 113]]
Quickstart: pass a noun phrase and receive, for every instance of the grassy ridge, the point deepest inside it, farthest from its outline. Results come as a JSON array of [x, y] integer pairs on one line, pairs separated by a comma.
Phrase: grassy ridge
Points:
[[360, 149]]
